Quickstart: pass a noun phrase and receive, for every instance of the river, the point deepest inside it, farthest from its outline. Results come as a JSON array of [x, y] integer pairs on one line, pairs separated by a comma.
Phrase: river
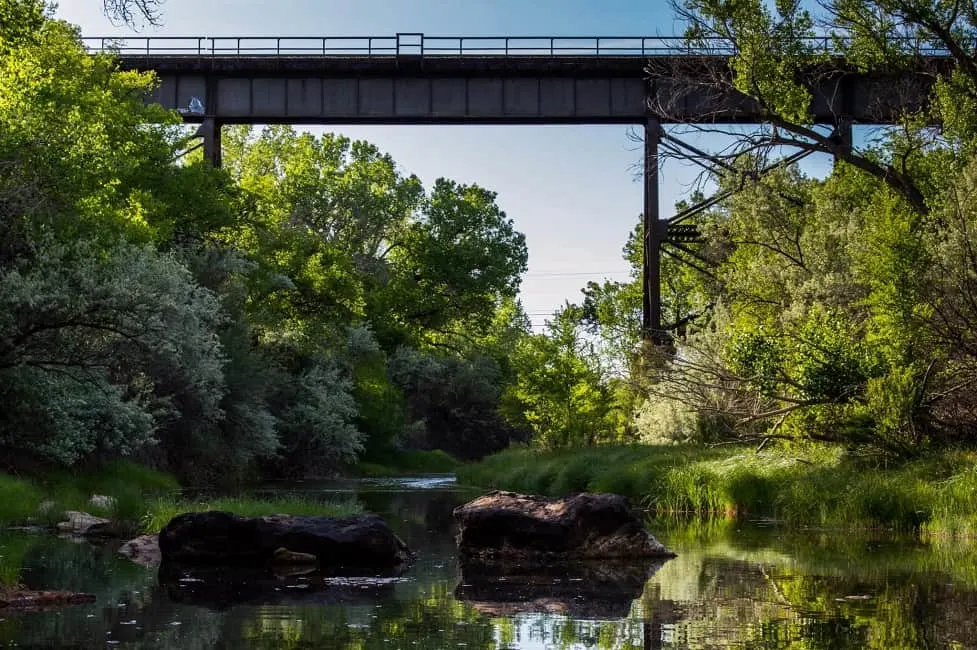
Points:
[[733, 585]]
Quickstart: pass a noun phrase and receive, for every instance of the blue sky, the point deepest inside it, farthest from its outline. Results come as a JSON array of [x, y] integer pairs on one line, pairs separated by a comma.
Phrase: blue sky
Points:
[[571, 189]]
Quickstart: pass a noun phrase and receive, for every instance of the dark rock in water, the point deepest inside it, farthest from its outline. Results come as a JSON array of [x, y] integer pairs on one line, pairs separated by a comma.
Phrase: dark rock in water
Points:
[[222, 587], [581, 526], [79, 523], [222, 538], [142, 550], [116, 529], [285, 557], [581, 589]]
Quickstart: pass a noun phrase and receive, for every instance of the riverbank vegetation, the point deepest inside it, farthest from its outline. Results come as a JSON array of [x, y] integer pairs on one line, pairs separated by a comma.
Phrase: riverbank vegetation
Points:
[[414, 461], [311, 308], [160, 512], [122, 491], [306, 307], [825, 319], [129, 492], [811, 485]]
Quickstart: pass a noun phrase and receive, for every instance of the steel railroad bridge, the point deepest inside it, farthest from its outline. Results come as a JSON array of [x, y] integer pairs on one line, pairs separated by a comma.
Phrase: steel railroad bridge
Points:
[[413, 79]]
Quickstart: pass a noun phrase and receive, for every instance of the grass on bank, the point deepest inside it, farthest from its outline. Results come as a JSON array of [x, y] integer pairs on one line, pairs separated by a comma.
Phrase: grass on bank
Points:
[[129, 485], [813, 486], [137, 494], [163, 510], [44, 499]]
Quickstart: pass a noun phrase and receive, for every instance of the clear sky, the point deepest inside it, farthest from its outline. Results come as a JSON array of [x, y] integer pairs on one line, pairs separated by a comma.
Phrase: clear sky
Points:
[[571, 189]]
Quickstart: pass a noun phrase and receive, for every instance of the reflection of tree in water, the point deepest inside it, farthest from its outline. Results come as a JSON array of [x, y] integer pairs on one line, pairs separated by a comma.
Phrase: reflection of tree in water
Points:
[[815, 592], [433, 620], [420, 513], [730, 587], [129, 607]]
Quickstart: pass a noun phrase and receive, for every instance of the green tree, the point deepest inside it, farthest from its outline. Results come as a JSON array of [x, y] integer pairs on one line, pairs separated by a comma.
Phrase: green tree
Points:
[[560, 391], [780, 64], [838, 313], [105, 341], [343, 239], [350, 238]]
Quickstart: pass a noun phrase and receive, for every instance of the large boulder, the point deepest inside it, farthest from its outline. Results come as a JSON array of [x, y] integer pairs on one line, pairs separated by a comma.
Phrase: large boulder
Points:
[[223, 538], [506, 525]]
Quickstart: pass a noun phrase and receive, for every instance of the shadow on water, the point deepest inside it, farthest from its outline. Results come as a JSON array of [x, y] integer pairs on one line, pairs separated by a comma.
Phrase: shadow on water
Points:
[[732, 585]]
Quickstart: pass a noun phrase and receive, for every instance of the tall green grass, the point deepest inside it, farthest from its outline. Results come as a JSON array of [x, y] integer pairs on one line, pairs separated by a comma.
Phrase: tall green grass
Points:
[[43, 499], [20, 500], [129, 485], [163, 510], [809, 485], [138, 494]]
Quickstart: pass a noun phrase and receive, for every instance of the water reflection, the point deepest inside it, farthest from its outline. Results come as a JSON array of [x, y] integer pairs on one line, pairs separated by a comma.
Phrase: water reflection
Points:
[[731, 586], [588, 589]]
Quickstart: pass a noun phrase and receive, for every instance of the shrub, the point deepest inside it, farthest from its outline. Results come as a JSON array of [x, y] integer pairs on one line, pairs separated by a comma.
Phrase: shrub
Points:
[[661, 420]]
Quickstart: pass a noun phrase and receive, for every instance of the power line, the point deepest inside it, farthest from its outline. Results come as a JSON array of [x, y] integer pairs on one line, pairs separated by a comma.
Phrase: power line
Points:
[[561, 274]]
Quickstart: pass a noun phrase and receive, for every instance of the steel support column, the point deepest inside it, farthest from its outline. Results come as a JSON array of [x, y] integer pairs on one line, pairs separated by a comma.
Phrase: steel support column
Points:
[[654, 234], [843, 132], [651, 633], [210, 131]]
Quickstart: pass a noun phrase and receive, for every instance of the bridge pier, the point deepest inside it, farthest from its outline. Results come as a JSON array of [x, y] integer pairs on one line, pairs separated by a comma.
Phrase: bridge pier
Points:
[[210, 131], [654, 234], [844, 135]]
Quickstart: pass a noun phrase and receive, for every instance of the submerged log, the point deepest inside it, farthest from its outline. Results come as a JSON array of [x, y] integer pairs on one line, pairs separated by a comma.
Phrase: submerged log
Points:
[[34, 600], [506, 525], [223, 538]]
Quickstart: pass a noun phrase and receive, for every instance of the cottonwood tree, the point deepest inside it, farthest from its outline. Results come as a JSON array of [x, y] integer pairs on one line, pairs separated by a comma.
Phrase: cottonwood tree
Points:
[[132, 12], [784, 58], [561, 391]]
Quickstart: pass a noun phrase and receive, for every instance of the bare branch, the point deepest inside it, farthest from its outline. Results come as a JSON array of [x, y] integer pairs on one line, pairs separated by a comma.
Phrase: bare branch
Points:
[[134, 12]]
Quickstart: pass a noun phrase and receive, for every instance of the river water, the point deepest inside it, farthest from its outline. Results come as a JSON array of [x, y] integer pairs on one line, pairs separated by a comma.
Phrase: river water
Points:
[[747, 586]]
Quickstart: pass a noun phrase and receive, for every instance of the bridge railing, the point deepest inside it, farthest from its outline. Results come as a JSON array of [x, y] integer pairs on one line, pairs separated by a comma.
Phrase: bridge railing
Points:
[[431, 46], [386, 46]]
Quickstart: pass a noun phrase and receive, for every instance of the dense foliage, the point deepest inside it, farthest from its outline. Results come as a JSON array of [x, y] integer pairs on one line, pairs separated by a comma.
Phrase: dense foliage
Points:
[[306, 305], [843, 305], [311, 304], [838, 308]]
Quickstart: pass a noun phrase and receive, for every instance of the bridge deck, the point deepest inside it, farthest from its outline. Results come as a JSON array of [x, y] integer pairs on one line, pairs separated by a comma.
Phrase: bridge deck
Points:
[[406, 89], [415, 78], [484, 89]]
